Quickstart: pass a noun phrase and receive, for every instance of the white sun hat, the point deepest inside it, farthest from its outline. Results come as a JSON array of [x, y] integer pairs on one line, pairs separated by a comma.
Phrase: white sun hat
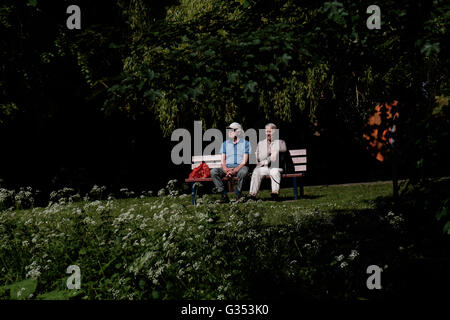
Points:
[[237, 128]]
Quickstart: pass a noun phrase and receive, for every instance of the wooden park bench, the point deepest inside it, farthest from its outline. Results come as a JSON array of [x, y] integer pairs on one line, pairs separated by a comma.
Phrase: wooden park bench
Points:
[[298, 157]]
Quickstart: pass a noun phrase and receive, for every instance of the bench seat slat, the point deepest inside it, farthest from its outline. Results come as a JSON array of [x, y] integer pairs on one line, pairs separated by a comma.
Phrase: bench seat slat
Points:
[[208, 179], [198, 180], [300, 168], [286, 175], [292, 175]]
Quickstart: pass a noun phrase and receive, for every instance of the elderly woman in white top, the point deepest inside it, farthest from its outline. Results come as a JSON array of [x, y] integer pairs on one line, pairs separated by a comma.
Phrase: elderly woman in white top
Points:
[[267, 157]]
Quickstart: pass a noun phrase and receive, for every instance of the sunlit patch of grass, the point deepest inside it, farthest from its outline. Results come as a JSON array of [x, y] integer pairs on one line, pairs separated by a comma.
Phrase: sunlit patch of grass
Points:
[[317, 200]]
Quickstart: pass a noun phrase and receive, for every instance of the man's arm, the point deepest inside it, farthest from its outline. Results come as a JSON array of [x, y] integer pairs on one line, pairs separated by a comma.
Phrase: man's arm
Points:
[[224, 158], [243, 163], [224, 163]]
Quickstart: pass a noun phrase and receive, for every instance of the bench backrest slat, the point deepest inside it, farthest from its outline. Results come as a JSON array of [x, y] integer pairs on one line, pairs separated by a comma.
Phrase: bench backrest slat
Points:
[[212, 158], [299, 160], [300, 168], [210, 165], [298, 152], [299, 157], [213, 161]]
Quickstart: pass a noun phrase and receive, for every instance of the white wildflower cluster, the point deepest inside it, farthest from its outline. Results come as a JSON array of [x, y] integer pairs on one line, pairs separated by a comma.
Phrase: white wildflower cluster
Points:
[[53, 208], [92, 205], [97, 192], [33, 270], [23, 199], [163, 253], [110, 197], [312, 247], [65, 195], [115, 293], [353, 254], [344, 262], [124, 192], [89, 221], [6, 198], [98, 206], [148, 193], [125, 216], [396, 220], [172, 188], [154, 274], [340, 257], [140, 262], [20, 292], [223, 290], [291, 268]]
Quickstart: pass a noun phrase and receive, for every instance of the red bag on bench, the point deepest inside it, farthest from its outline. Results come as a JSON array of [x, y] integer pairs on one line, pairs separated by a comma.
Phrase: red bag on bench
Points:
[[202, 171]]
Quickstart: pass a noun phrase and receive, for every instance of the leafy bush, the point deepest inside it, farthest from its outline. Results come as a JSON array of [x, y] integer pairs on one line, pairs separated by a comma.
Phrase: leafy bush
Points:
[[7, 199], [443, 214], [97, 192], [23, 199], [173, 188], [65, 195], [124, 192]]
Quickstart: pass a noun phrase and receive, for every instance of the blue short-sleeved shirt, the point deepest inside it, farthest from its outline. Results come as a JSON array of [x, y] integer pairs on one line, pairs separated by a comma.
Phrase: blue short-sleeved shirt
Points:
[[235, 152]]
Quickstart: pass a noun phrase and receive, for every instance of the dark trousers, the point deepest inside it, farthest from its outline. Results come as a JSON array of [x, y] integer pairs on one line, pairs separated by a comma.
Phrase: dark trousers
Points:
[[217, 174]]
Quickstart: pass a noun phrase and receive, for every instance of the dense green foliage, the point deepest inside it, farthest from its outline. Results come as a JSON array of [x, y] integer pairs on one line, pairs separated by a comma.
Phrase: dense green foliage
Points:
[[282, 60], [307, 65]]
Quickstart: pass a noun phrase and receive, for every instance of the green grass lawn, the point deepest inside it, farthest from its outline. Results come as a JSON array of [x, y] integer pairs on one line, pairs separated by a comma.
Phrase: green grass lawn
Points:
[[330, 198], [317, 247], [323, 199]]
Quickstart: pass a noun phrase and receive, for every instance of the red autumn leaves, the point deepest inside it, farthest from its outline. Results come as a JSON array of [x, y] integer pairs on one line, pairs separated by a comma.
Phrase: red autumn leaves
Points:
[[379, 129]]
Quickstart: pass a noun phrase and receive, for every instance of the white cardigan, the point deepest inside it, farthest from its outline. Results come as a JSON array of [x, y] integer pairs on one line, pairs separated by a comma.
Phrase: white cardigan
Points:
[[263, 151]]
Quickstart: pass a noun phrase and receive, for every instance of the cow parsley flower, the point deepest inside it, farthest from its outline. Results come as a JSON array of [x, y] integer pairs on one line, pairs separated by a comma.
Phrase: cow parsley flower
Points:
[[353, 254]]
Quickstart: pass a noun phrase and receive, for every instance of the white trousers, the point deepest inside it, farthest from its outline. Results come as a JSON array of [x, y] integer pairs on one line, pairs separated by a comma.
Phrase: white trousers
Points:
[[259, 173]]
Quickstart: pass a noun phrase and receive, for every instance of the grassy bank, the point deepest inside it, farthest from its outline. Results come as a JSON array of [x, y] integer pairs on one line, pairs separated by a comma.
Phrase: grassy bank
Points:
[[318, 247]]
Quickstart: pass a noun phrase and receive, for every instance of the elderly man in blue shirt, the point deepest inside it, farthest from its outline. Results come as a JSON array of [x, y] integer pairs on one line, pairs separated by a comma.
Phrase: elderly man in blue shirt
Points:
[[235, 152]]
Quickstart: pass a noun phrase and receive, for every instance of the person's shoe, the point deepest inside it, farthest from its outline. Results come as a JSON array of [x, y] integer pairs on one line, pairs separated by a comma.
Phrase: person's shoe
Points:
[[251, 197], [240, 198], [224, 199], [275, 196]]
